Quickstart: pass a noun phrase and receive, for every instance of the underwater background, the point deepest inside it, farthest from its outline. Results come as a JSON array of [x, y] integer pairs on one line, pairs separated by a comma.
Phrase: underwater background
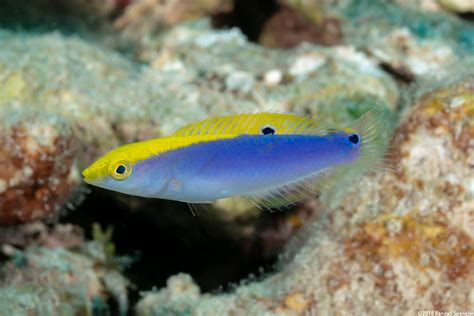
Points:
[[81, 77]]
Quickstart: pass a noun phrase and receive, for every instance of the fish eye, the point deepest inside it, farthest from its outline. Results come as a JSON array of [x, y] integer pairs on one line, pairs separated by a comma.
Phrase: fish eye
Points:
[[120, 170], [354, 138], [268, 130]]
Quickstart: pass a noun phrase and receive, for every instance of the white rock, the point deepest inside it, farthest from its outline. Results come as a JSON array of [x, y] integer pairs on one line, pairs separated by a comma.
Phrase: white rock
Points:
[[306, 64], [273, 77], [240, 81]]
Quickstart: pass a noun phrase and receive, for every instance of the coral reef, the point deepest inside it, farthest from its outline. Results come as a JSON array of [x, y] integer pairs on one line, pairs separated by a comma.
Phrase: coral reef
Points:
[[115, 23], [39, 234], [50, 279], [289, 27], [304, 79], [37, 171], [227, 73], [454, 6], [408, 41], [144, 17], [197, 68], [398, 242], [459, 6], [31, 300], [78, 78]]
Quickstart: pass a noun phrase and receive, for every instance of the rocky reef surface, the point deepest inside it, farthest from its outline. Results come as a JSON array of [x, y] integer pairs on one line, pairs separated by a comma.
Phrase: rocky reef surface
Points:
[[399, 241], [58, 273], [402, 37]]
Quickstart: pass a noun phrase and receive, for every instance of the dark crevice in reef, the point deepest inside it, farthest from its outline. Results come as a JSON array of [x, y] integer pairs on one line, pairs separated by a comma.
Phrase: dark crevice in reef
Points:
[[273, 23], [164, 238], [468, 16], [249, 16], [400, 74], [56, 13], [43, 16]]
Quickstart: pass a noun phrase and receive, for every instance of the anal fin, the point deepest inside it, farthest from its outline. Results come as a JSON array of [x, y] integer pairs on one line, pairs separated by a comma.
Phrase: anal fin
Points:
[[288, 194]]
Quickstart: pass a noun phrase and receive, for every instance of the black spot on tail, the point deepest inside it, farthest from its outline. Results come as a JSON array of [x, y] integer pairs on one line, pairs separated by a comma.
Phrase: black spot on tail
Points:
[[354, 138]]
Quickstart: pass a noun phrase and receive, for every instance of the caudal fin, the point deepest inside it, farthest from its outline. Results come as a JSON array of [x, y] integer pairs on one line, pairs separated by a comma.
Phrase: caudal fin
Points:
[[374, 130]]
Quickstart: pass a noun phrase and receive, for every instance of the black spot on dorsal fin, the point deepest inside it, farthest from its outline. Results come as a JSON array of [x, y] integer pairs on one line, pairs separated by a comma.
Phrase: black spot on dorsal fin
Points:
[[268, 130]]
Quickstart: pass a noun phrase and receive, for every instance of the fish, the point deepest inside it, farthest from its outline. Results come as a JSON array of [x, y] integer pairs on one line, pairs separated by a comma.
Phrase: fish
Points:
[[270, 159]]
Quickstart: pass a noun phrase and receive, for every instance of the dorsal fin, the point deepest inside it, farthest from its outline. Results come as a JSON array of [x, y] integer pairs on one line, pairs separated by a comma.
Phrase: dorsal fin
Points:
[[253, 124]]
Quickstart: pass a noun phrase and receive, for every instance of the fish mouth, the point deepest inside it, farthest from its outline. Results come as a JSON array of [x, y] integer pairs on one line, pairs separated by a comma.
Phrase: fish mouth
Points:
[[86, 177], [95, 182]]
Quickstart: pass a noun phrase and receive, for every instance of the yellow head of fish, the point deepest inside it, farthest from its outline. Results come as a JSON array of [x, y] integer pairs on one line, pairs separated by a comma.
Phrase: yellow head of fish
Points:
[[115, 165], [116, 170]]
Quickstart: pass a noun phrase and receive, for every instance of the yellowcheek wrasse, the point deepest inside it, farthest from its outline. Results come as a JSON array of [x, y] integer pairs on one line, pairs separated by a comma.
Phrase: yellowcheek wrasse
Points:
[[271, 159]]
